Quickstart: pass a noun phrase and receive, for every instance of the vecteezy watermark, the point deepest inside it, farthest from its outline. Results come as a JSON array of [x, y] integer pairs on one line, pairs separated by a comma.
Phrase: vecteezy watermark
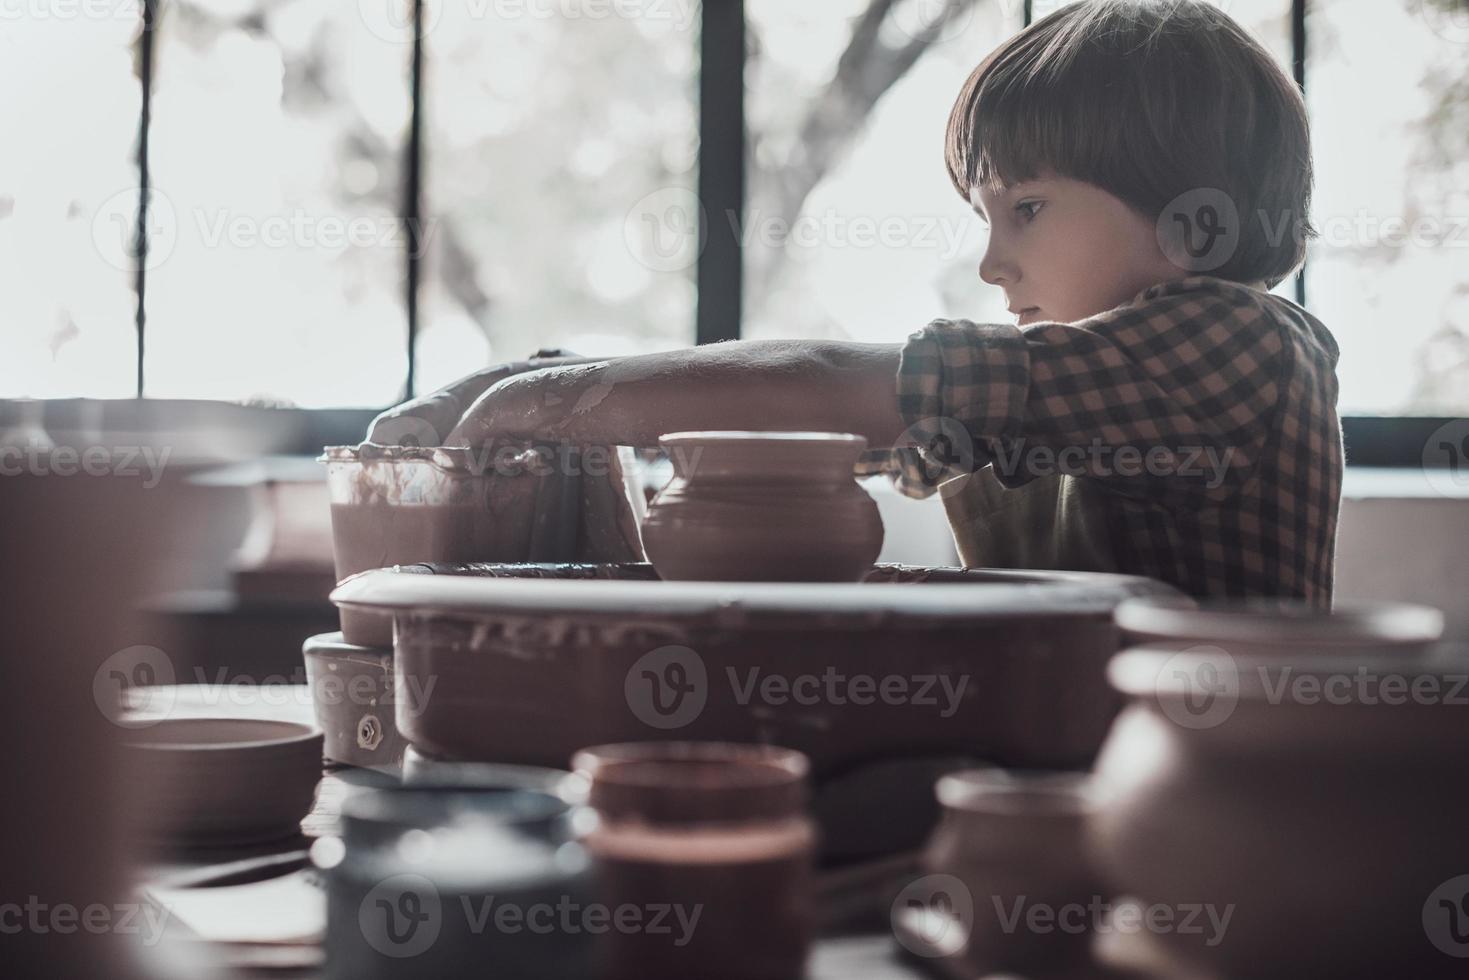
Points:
[[123, 461], [945, 448], [933, 916], [1206, 464], [669, 687], [936, 915], [1200, 687], [1199, 230], [138, 686], [41, 918], [70, 10], [115, 230], [1446, 917], [403, 916], [1446, 458], [667, 231], [1449, 19], [1202, 229], [392, 20], [937, 21], [1018, 914]]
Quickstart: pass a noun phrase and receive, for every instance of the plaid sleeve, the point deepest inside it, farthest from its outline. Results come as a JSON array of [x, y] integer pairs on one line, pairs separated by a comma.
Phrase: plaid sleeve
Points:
[[1170, 397]]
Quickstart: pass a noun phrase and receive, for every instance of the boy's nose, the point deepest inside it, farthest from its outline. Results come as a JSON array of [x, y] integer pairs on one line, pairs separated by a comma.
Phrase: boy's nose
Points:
[[996, 268]]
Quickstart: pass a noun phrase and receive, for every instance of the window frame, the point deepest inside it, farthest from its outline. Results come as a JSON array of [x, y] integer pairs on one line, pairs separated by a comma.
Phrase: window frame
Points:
[[1372, 441]]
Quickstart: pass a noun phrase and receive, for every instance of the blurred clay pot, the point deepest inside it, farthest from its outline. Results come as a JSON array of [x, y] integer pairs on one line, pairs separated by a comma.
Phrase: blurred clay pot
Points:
[[763, 507], [1015, 840], [1316, 797]]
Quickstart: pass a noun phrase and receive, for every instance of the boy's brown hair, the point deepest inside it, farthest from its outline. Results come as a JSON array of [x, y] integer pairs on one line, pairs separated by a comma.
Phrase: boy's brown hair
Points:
[[1151, 100]]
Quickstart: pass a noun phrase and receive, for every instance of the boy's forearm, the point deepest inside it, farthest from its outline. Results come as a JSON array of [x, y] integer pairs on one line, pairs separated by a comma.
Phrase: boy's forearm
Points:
[[756, 385]]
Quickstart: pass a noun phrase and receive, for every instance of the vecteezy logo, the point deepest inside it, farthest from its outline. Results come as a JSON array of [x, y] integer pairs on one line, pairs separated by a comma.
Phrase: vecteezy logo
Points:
[[1199, 231], [1449, 19], [1198, 687], [933, 916], [933, 21], [667, 688], [401, 916], [666, 231], [115, 229], [392, 20], [136, 681], [1446, 458], [1446, 917]]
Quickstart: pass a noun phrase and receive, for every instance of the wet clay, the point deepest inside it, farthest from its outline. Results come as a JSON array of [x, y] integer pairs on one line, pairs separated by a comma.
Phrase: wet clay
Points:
[[763, 507]]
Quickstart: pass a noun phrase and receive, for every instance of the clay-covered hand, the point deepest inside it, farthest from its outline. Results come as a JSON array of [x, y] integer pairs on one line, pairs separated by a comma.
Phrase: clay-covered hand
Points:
[[430, 419], [560, 403]]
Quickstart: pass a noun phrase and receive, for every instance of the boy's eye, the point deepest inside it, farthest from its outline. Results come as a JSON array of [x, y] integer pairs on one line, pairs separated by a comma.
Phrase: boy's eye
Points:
[[1030, 208]]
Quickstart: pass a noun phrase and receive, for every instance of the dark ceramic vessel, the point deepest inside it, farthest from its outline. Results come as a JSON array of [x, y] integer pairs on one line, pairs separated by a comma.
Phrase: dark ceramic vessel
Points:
[[1310, 783]]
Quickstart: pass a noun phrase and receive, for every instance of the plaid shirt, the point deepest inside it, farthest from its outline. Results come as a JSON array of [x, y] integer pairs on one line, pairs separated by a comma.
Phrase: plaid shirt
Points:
[[1202, 415]]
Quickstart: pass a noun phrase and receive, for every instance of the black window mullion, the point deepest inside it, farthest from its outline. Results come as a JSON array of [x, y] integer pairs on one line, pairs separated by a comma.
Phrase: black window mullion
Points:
[[721, 164], [1298, 65], [413, 197], [140, 229]]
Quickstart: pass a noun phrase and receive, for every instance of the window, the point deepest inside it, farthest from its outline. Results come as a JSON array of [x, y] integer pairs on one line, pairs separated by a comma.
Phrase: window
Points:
[[557, 144], [1389, 104], [548, 123], [66, 213]]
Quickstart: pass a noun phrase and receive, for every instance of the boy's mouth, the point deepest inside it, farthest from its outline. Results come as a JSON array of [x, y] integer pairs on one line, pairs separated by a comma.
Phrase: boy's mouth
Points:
[[1029, 314]]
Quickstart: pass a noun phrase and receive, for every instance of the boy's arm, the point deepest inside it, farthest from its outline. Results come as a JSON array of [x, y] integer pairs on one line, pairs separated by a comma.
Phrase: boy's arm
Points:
[[427, 419], [1172, 398], [743, 385]]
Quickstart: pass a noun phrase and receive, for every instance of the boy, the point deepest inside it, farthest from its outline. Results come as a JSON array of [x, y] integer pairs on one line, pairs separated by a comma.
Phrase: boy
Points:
[[1144, 167]]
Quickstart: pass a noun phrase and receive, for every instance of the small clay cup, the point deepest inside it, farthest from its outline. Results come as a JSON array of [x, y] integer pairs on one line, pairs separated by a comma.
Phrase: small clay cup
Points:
[[763, 507], [1016, 842], [218, 781], [713, 829]]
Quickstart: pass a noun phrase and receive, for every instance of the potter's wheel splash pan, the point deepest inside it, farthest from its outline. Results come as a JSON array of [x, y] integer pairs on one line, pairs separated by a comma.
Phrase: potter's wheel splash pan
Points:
[[528, 663]]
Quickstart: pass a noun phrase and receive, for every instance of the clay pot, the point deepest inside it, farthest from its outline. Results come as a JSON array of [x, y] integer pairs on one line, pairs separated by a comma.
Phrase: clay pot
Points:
[[1016, 843], [710, 829], [1318, 799], [1271, 627], [763, 507]]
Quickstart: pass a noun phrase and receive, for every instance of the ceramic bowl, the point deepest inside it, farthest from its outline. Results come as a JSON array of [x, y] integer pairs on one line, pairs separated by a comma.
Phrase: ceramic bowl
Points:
[[214, 781]]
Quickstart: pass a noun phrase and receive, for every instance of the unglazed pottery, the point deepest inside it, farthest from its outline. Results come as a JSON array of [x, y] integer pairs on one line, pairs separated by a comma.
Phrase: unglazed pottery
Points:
[[1270, 627], [352, 695], [763, 506], [1319, 799], [423, 876], [215, 781], [1015, 841], [712, 828]]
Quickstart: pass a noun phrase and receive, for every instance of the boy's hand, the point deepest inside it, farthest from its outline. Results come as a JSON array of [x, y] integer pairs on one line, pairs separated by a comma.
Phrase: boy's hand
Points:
[[429, 419], [562, 403]]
